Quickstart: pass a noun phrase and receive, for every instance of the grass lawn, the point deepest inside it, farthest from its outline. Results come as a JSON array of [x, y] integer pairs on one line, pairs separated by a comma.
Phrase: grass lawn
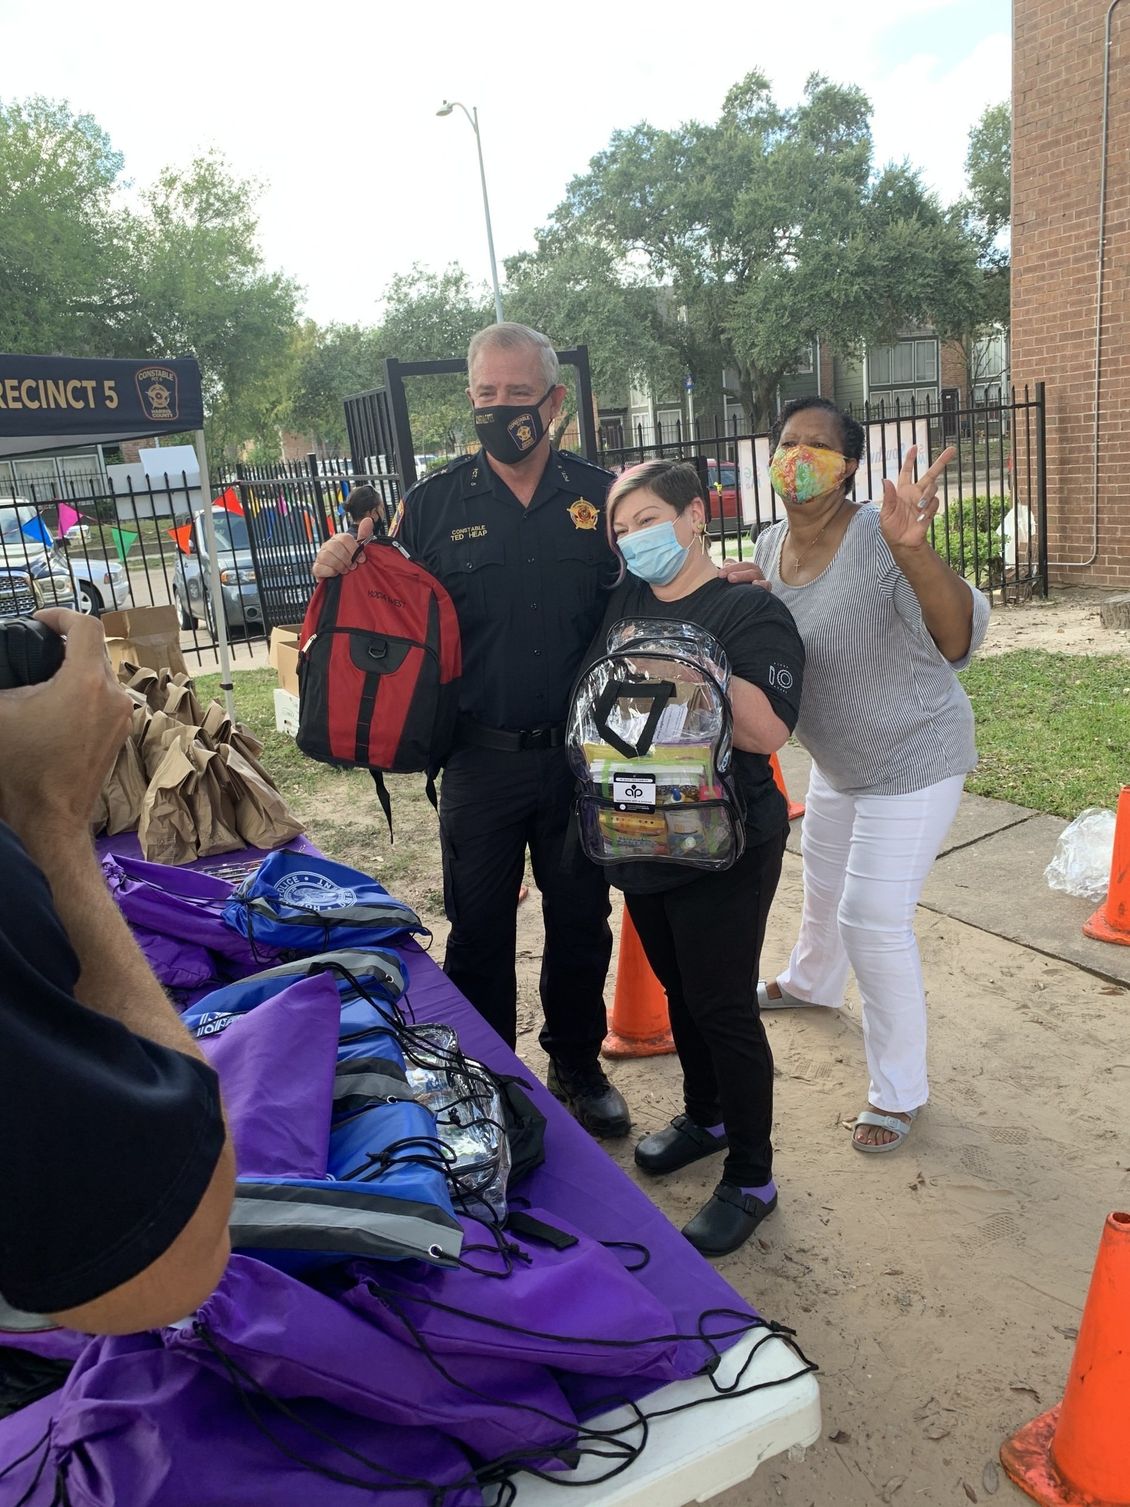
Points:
[[1053, 730], [339, 806]]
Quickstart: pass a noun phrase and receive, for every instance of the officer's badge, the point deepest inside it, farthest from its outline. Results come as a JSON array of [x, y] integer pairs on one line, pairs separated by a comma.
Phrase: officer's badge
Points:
[[583, 514], [157, 391], [522, 432]]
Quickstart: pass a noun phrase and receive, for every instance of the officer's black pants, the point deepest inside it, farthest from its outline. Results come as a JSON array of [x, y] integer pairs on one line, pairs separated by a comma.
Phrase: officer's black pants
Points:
[[492, 807], [703, 941]]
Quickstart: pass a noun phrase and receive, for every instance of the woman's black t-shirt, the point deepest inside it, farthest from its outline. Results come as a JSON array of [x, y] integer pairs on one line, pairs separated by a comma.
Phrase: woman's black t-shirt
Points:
[[762, 644]]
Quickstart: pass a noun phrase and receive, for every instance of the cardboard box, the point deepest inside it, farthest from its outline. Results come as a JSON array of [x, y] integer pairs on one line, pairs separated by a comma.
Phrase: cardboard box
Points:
[[147, 636], [283, 655], [286, 711]]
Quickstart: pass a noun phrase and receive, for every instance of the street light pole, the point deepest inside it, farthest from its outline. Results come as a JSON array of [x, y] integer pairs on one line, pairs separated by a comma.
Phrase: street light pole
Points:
[[473, 117]]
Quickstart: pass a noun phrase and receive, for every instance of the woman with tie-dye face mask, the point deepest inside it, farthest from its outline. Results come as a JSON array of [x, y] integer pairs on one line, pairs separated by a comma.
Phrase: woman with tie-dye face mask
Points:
[[885, 623]]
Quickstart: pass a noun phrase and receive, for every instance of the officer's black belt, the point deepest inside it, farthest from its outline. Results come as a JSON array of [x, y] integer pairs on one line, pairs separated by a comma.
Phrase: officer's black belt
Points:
[[470, 734]]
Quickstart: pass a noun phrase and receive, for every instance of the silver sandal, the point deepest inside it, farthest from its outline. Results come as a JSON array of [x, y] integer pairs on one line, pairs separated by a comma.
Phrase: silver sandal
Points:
[[787, 1001], [900, 1129]]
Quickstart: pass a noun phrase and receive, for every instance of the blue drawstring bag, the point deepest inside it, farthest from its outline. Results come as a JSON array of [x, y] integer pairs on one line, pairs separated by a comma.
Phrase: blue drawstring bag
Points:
[[302, 903]]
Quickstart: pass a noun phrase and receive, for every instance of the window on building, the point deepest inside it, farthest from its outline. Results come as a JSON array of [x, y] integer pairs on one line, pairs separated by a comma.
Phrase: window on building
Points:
[[905, 364], [807, 363]]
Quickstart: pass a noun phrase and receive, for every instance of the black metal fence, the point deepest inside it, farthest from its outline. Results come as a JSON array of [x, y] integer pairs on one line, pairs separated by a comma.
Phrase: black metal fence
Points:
[[100, 548], [79, 541], [991, 527]]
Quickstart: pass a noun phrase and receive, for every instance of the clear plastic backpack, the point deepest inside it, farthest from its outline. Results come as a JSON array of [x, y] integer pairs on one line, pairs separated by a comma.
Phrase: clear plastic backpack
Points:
[[650, 739]]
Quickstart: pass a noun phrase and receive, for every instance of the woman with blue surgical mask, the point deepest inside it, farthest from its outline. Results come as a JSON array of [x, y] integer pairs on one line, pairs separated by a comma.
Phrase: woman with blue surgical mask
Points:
[[702, 930], [885, 624]]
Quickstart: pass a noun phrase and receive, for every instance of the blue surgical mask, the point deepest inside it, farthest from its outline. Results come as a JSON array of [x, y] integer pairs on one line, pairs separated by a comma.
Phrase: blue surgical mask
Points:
[[654, 554]]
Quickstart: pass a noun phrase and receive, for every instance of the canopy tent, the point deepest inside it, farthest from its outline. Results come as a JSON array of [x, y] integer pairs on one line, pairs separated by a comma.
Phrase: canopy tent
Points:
[[52, 403]]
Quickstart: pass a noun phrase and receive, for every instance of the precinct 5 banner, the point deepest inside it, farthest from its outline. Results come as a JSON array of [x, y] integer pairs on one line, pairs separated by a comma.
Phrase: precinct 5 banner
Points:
[[63, 395]]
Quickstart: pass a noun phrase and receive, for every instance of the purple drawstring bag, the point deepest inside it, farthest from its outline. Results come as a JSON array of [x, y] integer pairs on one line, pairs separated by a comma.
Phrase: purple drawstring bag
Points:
[[183, 904], [296, 1342], [574, 1309], [279, 1117], [179, 965], [140, 1424]]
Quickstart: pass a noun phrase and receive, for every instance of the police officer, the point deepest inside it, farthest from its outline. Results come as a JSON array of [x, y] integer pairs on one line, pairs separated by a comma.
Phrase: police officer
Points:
[[515, 533]]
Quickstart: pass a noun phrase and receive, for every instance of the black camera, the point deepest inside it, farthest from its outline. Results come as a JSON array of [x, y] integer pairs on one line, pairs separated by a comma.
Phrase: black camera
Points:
[[30, 652]]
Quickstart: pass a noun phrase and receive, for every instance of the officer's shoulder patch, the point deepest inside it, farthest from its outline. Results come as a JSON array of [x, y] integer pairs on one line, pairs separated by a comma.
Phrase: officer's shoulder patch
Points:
[[571, 458]]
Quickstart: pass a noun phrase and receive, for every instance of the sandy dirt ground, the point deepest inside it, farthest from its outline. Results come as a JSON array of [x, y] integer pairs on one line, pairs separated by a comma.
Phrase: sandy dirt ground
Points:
[[939, 1288]]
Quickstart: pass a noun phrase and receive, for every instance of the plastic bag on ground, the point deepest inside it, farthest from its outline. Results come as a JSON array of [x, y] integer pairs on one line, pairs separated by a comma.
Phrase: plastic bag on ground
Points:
[[1080, 865]]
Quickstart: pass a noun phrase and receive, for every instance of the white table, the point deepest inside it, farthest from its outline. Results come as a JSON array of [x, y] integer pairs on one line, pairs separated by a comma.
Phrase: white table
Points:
[[692, 1456]]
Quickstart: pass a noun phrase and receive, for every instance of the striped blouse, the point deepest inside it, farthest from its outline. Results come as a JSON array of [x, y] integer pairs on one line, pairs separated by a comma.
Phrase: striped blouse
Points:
[[882, 711]]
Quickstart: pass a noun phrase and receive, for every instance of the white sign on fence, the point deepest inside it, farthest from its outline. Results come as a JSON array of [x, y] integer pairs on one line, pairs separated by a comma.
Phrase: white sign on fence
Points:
[[884, 449]]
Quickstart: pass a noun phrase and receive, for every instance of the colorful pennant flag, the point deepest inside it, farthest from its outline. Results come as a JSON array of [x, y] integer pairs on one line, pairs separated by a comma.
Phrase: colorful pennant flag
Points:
[[183, 537], [124, 541], [229, 501], [68, 517], [36, 529]]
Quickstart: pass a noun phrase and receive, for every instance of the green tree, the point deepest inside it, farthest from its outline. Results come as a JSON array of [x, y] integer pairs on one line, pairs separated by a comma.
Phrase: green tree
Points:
[[64, 250], [771, 229], [575, 293], [430, 316], [200, 286], [983, 215], [331, 362]]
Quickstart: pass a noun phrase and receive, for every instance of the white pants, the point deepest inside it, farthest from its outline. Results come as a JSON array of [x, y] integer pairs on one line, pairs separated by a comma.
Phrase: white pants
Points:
[[866, 858]]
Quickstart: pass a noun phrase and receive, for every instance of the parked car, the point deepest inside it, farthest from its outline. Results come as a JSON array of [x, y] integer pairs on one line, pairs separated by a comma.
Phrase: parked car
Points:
[[18, 595], [69, 577], [286, 544], [725, 508]]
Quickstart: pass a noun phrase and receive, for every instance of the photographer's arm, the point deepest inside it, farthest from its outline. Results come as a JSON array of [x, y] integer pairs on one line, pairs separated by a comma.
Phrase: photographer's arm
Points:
[[58, 740]]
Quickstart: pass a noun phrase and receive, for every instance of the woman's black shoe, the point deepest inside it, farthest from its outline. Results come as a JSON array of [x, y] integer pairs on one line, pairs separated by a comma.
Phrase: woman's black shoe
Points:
[[677, 1145], [727, 1221]]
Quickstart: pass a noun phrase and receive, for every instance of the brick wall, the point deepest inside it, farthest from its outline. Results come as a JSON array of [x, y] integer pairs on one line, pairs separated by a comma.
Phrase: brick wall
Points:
[[953, 372], [1057, 105]]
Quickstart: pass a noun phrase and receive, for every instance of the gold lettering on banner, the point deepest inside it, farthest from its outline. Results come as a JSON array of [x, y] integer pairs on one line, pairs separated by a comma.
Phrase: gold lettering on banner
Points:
[[72, 386], [110, 393], [56, 394], [27, 391], [12, 392]]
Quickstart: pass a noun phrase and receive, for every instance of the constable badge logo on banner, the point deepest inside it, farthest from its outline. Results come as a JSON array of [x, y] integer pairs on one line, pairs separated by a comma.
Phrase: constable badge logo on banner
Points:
[[157, 390]]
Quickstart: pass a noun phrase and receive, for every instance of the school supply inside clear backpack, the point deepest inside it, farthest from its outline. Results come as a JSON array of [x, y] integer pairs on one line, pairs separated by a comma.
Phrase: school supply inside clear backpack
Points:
[[650, 736]]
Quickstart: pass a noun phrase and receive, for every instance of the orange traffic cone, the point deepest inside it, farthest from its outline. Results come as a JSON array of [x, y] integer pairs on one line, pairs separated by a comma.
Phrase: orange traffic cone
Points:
[[640, 1026], [1078, 1454], [795, 808], [1111, 922]]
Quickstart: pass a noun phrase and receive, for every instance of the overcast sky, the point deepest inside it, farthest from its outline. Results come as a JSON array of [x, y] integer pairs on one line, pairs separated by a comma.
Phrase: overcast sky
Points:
[[331, 104]]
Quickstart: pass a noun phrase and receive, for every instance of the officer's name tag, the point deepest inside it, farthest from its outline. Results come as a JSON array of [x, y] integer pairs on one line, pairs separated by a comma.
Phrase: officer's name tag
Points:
[[633, 792]]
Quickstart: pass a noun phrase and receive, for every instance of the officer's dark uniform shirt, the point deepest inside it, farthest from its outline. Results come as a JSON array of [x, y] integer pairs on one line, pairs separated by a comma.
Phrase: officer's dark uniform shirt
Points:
[[109, 1140], [530, 584]]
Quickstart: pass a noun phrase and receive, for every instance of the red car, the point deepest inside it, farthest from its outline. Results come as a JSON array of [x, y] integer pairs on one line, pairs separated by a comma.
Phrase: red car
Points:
[[724, 508]]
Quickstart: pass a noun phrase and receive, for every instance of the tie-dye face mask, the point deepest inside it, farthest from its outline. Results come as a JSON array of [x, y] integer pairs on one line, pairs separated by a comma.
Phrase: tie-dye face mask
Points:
[[798, 473]]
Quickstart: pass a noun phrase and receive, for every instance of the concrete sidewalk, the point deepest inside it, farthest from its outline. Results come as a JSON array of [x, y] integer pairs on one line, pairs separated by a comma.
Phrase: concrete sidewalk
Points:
[[990, 874]]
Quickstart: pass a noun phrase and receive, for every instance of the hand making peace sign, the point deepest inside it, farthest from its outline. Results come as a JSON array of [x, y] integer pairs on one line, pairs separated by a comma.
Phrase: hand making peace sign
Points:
[[908, 508]]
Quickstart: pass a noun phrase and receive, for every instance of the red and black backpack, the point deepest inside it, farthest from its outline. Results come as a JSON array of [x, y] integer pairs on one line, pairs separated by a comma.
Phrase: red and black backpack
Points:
[[379, 668]]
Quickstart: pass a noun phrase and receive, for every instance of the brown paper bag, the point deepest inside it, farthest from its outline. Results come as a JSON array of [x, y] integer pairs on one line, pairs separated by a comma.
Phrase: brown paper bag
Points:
[[181, 703], [262, 818], [166, 830], [212, 804], [124, 790], [162, 733], [143, 682]]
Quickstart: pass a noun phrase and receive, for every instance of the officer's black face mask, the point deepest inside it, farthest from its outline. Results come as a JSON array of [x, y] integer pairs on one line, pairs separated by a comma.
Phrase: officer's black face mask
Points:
[[509, 431]]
